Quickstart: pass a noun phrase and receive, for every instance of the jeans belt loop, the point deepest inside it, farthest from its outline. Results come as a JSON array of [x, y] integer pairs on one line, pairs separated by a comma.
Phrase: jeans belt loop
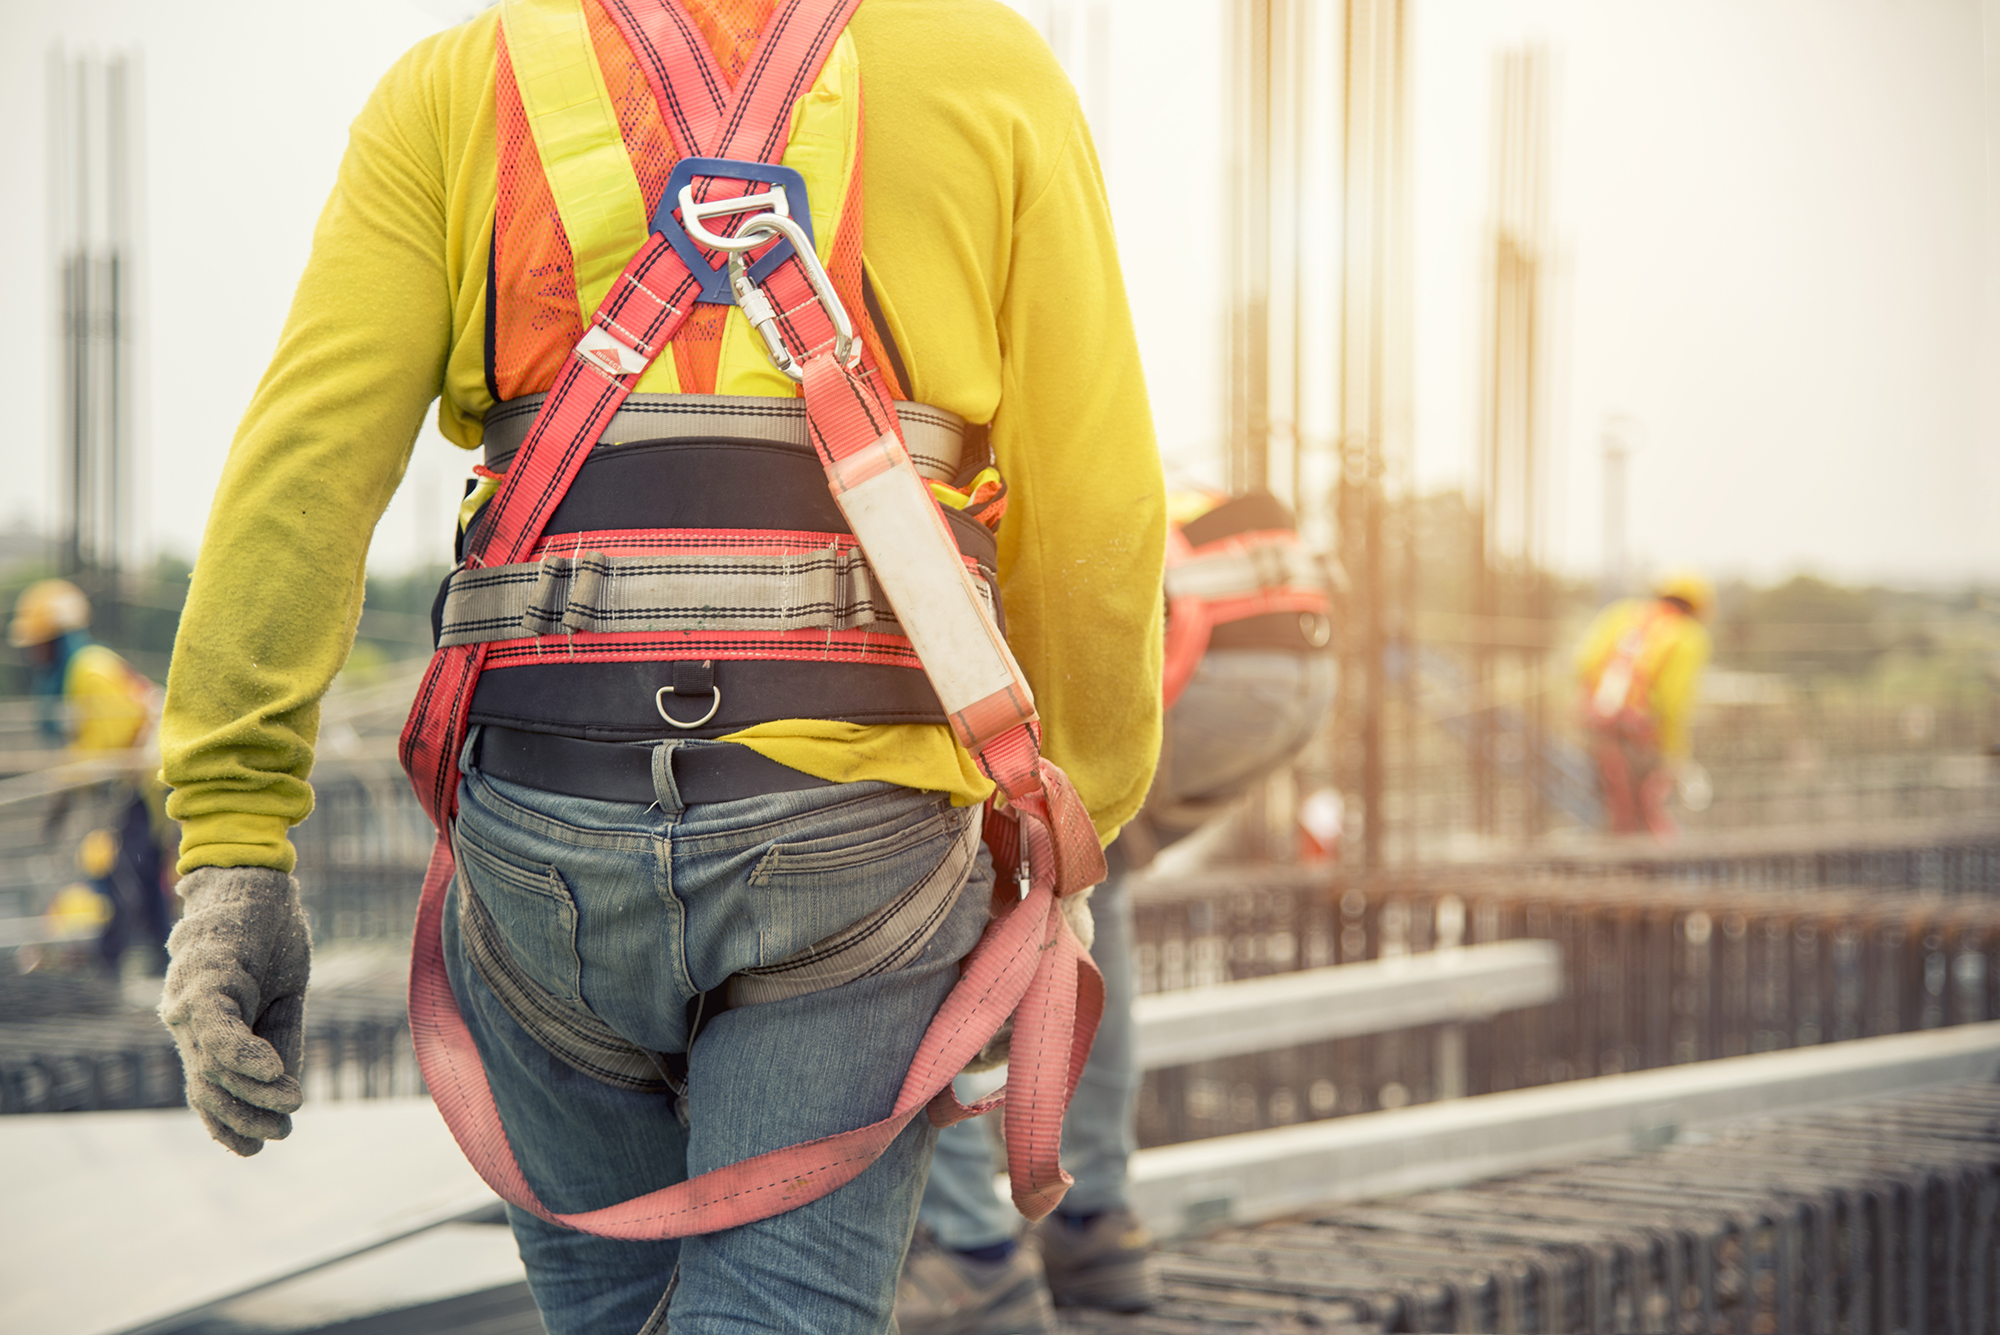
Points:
[[665, 791], [468, 755]]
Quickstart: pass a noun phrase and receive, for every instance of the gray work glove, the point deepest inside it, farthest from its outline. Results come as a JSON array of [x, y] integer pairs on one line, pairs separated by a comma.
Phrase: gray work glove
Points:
[[235, 1000]]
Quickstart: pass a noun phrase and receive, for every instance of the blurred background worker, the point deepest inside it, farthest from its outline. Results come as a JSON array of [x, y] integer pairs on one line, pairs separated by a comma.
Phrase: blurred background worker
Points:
[[96, 702], [1249, 677], [1640, 663]]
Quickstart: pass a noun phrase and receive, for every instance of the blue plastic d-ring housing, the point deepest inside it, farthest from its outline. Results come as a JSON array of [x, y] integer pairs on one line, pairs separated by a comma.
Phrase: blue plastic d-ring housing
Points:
[[714, 278]]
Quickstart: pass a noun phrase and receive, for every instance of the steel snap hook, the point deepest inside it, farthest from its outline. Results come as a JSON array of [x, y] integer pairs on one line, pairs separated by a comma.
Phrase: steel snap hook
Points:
[[757, 307]]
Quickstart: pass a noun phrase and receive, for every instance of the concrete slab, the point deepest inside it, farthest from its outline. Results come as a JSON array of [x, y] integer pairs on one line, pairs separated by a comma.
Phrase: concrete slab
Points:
[[446, 1262], [1284, 1010], [115, 1222]]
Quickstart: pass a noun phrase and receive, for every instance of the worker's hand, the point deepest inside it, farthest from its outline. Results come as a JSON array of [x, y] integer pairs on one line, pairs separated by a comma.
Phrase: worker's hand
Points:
[[235, 1000], [1076, 910]]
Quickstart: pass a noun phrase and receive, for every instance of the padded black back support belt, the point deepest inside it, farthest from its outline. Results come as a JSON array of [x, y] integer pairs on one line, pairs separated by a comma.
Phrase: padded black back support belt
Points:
[[618, 702], [709, 483], [714, 483]]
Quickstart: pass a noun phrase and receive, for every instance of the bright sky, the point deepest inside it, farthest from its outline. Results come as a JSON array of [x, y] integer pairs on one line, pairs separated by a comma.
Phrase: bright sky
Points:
[[1777, 224]]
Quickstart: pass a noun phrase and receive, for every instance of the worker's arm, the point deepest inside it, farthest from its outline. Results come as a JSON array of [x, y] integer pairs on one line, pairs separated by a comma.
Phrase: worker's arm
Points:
[[1675, 684], [277, 589], [1084, 539]]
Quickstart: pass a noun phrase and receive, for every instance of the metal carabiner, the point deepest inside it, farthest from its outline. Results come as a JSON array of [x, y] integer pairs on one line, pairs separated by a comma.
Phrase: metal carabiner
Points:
[[757, 307]]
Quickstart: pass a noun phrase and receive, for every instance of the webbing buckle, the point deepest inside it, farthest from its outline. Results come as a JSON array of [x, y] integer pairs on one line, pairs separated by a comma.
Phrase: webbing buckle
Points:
[[783, 195], [757, 307]]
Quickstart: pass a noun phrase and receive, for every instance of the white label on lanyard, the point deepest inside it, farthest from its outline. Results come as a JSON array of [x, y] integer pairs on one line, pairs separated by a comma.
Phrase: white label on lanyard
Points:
[[912, 555]]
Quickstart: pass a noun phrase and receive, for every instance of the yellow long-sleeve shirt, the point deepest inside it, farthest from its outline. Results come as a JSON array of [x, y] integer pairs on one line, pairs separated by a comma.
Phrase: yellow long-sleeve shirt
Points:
[[990, 247], [110, 703], [1669, 662]]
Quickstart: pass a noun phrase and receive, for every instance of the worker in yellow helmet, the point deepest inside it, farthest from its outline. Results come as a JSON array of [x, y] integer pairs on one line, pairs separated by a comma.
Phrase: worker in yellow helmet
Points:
[[102, 705], [1639, 665]]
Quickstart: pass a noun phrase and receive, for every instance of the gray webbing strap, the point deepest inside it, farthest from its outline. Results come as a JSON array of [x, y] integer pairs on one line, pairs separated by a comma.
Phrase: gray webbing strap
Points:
[[1239, 573], [885, 940], [935, 438], [569, 1031], [827, 588]]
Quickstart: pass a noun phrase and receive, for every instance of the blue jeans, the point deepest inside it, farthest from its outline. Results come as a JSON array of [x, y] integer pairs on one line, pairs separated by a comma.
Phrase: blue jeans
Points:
[[1245, 712], [629, 914]]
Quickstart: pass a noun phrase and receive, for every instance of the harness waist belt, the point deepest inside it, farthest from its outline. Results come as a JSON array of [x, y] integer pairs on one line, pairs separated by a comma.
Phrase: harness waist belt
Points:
[[613, 772], [935, 438], [748, 581]]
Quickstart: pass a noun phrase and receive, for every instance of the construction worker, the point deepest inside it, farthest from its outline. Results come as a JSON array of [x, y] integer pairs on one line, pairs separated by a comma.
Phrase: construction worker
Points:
[[1249, 638], [1639, 666], [102, 705], [674, 839]]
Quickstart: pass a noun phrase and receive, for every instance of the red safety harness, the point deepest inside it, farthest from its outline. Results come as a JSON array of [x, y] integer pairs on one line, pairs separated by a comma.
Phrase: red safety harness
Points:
[[1619, 700], [1028, 964], [1251, 584]]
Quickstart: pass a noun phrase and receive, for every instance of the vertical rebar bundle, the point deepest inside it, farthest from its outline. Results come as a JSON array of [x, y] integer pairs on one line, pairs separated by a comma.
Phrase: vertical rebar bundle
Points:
[[1511, 602], [1375, 391], [92, 174], [1250, 181], [1287, 247]]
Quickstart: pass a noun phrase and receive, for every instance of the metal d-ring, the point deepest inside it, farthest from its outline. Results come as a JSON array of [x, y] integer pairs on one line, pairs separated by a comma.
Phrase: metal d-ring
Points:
[[660, 703]]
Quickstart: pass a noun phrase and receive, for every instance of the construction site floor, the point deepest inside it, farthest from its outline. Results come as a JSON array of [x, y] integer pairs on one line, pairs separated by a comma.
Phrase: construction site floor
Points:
[[1881, 1215]]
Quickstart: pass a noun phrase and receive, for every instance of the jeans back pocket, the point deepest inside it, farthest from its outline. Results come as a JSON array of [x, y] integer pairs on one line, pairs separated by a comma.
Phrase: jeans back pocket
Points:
[[531, 905]]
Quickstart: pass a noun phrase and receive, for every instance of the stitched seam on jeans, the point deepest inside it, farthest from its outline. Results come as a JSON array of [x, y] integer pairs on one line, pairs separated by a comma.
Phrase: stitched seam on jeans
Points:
[[782, 860], [656, 1324], [580, 1040], [844, 796], [857, 936], [556, 829], [538, 880]]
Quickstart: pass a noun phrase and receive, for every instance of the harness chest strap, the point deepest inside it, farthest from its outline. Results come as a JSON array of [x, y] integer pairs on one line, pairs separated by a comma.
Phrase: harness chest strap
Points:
[[1027, 963]]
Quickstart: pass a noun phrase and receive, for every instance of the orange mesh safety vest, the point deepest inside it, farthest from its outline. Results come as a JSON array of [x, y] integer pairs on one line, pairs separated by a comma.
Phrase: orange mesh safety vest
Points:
[[534, 316], [686, 550]]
